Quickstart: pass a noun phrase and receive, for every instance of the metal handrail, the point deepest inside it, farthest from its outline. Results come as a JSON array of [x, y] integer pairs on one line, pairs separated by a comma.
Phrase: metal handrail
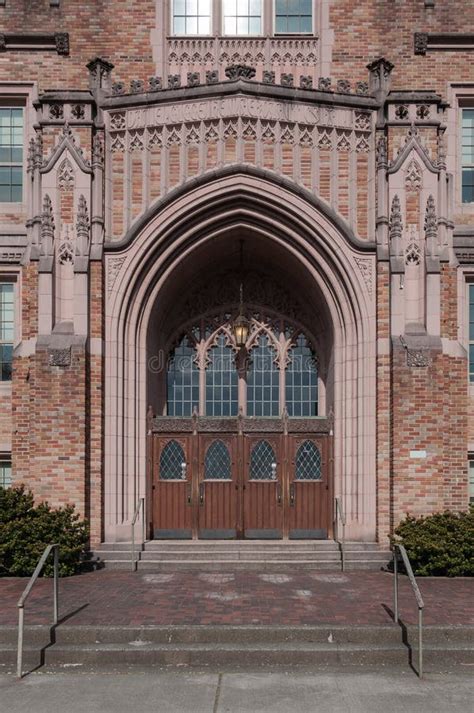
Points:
[[340, 517], [24, 597], [416, 592], [140, 504]]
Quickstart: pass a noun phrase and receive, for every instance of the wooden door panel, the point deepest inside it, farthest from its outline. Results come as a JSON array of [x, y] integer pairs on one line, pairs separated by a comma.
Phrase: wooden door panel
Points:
[[308, 506], [218, 489], [263, 511], [172, 483]]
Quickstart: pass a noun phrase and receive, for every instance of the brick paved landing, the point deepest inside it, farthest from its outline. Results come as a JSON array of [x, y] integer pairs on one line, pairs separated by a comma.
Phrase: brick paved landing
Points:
[[189, 598]]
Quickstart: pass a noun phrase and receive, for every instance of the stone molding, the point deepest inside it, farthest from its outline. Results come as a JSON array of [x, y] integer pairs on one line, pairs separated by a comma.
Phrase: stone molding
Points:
[[27, 41]]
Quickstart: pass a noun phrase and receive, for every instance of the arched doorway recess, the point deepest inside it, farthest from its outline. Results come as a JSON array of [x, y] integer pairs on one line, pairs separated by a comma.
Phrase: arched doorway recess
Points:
[[186, 252]]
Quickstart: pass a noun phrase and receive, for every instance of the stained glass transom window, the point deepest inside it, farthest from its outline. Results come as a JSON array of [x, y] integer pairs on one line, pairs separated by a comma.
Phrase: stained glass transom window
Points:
[[217, 462], [221, 381], [308, 462], [302, 380], [262, 462], [172, 462], [263, 380], [183, 380]]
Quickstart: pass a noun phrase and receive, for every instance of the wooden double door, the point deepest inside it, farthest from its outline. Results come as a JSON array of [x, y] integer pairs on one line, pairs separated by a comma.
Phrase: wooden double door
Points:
[[228, 485]]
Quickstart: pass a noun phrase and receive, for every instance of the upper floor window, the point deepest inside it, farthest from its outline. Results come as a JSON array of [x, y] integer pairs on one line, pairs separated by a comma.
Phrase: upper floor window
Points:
[[11, 155], [471, 333], [467, 155], [7, 323], [5, 472], [192, 17], [242, 17], [293, 16]]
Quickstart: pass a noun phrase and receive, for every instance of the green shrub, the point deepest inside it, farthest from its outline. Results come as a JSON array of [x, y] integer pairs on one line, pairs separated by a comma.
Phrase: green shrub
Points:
[[440, 544], [25, 530]]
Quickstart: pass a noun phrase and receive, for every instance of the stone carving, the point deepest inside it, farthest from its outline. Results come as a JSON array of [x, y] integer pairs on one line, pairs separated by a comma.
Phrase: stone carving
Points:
[[99, 71], [325, 140], [56, 111], [194, 79], [11, 256], [60, 357], [268, 132], [230, 129], [420, 40], [362, 145], [441, 151], [324, 84], [306, 136], [380, 68], [65, 175], [192, 135], [66, 249], [362, 88], [431, 222], [155, 138], [136, 140], [413, 176], [62, 42], [155, 84], [306, 82], [82, 228], [418, 358], [395, 224], [118, 88], [401, 112], [3, 42], [174, 81], [117, 143], [212, 131], [362, 121], [249, 132], [78, 111], [268, 77], [365, 267], [343, 86], [117, 121], [114, 266], [47, 227], [413, 254], [30, 161], [286, 80], [137, 86], [423, 111], [38, 152], [343, 141], [381, 152], [287, 135], [212, 76], [174, 137], [97, 151], [240, 71]]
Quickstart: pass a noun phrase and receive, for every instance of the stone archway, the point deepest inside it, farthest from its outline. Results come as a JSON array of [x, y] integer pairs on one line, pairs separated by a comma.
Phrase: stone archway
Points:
[[326, 259]]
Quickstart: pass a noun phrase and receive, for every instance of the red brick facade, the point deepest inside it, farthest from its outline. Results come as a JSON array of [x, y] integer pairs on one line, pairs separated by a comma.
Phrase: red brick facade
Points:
[[366, 154]]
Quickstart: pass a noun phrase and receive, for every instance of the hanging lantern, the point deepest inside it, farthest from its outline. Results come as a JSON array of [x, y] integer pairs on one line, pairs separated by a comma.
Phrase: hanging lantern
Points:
[[241, 330]]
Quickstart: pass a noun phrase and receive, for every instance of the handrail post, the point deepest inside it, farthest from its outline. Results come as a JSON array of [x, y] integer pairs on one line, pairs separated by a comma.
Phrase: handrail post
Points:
[[395, 585], [56, 586], [140, 505], [134, 565], [19, 654]]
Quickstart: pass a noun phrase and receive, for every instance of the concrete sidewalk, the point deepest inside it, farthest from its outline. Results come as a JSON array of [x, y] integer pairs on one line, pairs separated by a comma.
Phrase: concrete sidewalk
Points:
[[283, 692]]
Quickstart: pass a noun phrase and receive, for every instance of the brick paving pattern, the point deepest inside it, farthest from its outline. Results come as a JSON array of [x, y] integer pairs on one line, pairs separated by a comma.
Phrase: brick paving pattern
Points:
[[233, 598]]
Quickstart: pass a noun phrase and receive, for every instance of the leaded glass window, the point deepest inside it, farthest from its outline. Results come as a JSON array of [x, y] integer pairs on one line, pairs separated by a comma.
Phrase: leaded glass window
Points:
[[263, 380], [293, 16], [192, 17], [308, 462], [11, 155], [221, 381], [262, 462], [172, 462], [302, 380], [242, 17], [7, 325], [217, 462], [471, 333], [5, 473], [467, 158], [182, 380]]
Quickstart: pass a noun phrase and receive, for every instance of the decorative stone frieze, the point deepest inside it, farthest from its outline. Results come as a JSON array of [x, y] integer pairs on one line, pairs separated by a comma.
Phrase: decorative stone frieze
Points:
[[401, 112], [286, 80], [268, 77], [118, 88], [239, 71], [137, 86], [212, 76], [174, 81], [343, 86], [155, 84], [413, 176], [194, 79], [324, 84], [306, 82], [78, 111], [56, 111]]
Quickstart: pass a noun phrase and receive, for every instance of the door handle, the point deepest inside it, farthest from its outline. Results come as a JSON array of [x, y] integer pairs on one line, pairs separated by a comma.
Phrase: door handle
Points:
[[292, 495], [279, 494], [189, 496], [201, 493]]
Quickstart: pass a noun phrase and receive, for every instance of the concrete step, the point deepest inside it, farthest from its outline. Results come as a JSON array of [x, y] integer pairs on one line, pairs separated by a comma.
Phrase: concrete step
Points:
[[274, 566], [231, 545], [236, 556], [355, 555]]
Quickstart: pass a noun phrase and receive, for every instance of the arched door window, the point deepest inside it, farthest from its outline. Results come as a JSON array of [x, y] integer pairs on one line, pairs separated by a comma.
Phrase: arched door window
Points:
[[308, 462], [302, 380], [262, 462], [221, 381], [263, 380], [172, 462], [182, 379], [217, 462]]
